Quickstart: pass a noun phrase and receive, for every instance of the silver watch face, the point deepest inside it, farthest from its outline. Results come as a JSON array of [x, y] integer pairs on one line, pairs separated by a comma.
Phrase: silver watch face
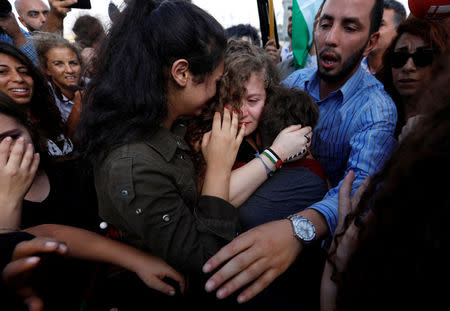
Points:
[[304, 229]]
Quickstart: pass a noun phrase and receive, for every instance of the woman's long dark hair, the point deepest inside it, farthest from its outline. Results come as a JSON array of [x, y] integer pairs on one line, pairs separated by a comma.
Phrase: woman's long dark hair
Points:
[[43, 112], [126, 98], [401, 261]]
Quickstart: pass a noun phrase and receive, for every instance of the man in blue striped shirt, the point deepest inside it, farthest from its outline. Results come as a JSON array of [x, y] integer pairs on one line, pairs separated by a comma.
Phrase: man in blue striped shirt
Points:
[[354, 132]]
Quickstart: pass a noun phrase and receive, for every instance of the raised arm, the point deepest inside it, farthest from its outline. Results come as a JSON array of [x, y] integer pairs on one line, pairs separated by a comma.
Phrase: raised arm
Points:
[[58, 11], [88, 245]]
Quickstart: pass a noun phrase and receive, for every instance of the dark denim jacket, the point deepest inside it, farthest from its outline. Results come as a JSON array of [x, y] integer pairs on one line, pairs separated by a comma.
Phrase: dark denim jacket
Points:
[[147, 190]]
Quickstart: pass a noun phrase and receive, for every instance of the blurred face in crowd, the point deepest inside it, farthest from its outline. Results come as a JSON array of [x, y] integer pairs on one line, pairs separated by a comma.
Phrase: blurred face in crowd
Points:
[[342, 36], [387, 31], [15, 80], [252, 104], [63, 67], [412, 76], [289, 26], [32, 13], [10, 127]]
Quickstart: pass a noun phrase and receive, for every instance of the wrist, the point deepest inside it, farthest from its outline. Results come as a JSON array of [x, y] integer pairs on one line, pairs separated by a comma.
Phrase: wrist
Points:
[[278, 151], [273, 157], [269, 170]]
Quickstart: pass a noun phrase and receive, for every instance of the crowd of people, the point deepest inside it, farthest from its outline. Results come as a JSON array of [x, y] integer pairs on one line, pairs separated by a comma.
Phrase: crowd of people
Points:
[[166, 160]]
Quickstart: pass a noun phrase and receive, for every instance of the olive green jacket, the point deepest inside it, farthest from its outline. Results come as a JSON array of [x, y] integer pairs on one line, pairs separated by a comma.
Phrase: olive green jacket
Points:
[[147, 190]]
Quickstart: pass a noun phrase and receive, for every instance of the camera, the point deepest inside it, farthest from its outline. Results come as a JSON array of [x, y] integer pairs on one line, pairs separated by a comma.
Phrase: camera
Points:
[[5, 8]]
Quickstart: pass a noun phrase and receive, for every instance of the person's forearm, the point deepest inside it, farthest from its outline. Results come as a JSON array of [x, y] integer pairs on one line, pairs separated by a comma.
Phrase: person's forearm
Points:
[[217, 182], [19, 39], [10, 215], [88, 245], [318, 220], [54, 23], [328, 290], [246, 179]]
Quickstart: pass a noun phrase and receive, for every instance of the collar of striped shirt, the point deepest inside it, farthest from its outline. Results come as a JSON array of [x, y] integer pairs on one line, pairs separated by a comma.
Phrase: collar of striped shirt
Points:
[[359, 79]]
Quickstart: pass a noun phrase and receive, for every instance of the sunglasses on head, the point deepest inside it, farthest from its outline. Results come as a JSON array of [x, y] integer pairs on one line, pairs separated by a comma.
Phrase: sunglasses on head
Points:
[[423, 57]]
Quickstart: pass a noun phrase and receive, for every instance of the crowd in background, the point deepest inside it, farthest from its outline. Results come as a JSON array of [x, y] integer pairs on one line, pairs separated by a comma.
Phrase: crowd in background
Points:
[[169, 161]]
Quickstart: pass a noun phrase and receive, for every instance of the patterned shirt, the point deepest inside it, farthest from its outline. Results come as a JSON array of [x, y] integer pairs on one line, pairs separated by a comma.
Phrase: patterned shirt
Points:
[[28, 48], [355, 131]]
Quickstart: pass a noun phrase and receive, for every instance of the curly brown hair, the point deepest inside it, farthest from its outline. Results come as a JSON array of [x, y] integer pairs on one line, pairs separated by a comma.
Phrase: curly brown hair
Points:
[[242, 59]]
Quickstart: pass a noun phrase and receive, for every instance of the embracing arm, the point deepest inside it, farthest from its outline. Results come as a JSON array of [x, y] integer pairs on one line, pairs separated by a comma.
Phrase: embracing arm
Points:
[[246, 179], [88, 245]]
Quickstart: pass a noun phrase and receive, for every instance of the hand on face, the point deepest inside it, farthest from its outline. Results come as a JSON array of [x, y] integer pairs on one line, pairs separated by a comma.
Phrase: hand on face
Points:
[[221, 144], [18, 166]]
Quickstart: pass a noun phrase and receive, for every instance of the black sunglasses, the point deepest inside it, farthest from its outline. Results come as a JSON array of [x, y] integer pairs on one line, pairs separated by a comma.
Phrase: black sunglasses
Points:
[[423, 57]]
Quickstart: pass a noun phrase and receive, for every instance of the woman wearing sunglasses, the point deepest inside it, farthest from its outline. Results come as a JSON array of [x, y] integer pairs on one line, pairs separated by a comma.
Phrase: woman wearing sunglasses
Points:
[[408, 62]]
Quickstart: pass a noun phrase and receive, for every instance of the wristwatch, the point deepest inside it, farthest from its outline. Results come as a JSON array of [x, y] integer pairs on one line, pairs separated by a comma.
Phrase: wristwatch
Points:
[[304, 230]]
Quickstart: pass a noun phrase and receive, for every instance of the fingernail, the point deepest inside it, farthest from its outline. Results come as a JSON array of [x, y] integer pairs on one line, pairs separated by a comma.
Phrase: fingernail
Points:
[[221, 293], [172, 292], [235, 111], [62, 247], [206, 268], [241, 299], [33, 259], [226, 107], [50, 244], [210, 285], [8, 139]]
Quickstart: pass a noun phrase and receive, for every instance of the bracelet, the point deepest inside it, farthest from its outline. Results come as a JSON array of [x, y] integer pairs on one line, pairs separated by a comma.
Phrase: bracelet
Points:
[[273, 157], [269, 172]]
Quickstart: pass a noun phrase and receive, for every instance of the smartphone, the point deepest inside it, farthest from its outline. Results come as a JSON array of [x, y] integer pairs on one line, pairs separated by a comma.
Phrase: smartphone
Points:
[[81, 4]]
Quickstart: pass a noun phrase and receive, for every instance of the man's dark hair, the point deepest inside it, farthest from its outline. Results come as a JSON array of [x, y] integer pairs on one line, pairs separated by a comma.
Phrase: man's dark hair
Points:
[[376, 16], [399, 11], [240, 30]]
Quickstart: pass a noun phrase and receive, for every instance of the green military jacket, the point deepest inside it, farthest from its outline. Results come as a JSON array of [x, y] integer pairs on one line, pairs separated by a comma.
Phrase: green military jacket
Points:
[[147, 190]]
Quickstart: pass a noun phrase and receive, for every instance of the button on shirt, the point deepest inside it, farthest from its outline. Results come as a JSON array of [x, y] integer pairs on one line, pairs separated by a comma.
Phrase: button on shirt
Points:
[[355, 131], [147, 190]]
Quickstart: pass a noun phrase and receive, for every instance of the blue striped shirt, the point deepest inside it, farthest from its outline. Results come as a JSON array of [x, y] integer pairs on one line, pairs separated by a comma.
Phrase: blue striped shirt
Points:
[[28, 48], [355, 131]]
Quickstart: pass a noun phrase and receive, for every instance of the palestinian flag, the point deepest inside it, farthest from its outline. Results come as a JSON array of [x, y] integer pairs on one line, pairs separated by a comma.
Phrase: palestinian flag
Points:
[[303, 15]]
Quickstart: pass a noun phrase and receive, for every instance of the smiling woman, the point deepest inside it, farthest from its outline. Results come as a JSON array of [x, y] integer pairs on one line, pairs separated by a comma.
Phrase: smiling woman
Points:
[[26, 85]]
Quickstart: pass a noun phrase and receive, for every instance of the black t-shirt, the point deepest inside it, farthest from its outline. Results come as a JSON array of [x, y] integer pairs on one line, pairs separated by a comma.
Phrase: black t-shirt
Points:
[[72, 200]]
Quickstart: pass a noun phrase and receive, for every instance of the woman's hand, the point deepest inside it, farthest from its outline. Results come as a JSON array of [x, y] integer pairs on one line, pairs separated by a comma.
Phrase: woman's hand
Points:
[[18, 166], [17, 274], [152, 270], [221, 144], [220, 147], [292, 143]]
